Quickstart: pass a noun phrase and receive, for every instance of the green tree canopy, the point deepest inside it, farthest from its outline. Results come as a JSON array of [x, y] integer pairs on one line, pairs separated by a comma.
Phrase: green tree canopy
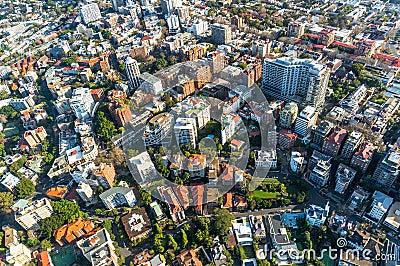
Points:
[[25, 188], [222, 221], [103, 126], [65, 211], [6, 200], [184, 238], [45, 245]]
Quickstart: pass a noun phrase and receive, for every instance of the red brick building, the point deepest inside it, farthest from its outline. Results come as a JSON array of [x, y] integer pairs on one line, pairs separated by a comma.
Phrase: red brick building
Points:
[[334, 141], [363, 157]]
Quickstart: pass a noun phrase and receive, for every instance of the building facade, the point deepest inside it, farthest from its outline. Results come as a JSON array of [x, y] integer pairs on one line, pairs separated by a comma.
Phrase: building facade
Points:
[[301, 80]]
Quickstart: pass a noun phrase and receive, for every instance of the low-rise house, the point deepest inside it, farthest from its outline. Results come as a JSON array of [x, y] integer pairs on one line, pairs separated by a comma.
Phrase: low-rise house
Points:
[[228, 201], [240, 203], [10, 236], [98, 249], [43, 258], [218, 255], [137, 224], [105, 174], [85, 192], [242, 230], [57, 192], [69, 233], [10, 181], [265, 159], [183, 196], [187, 258], [35, 137], [257, 227], [117, 197], [176, 210], [18, 255]]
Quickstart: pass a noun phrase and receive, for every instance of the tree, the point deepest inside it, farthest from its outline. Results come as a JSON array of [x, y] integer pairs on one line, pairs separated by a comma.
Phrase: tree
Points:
[[357, 68], [103, 126], [222, 221], [240, 252], [65, 211], [263, 263], [184, 238], [46, 245], [158, 229], [172, 243], [69, 210], [8, 111], [145, 198], [6, 200], [32, 242], [15, 166], [161, 63], [25, 188]]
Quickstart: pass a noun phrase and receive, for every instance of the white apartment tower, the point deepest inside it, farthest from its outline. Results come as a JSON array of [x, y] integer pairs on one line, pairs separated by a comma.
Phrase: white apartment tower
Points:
[[300, 80], [305, 121], [186, 131], [132, 71]]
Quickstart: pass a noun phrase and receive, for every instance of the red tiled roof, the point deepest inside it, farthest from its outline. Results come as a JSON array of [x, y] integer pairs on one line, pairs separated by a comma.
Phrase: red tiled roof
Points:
[[337, 136]]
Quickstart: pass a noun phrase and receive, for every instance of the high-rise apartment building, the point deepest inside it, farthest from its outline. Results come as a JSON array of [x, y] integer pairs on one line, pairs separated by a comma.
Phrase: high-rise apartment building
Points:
[[323, 130], [186, 131], [158, 129], [300, 80], [305, 121], [221, 34], [352, 143], [363, 157], [132, 71], [388, 169], [288, 115], [295, 29]]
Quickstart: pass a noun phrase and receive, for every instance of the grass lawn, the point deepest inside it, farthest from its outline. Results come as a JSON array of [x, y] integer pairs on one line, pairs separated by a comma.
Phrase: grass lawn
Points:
[[266, 195]]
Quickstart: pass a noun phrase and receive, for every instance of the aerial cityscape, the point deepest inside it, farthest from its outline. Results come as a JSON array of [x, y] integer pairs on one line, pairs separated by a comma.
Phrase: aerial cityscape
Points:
[[190, 133]]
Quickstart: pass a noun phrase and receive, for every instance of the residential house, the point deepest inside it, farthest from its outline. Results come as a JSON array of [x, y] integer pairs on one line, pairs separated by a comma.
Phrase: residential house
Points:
[[137, 224], [117, 197]]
